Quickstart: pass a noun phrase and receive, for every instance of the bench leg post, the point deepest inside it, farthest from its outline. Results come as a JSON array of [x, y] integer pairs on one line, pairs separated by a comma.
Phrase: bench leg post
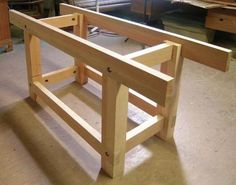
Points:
[[114, 126], [174, 69], [81, 30], [33, 60]]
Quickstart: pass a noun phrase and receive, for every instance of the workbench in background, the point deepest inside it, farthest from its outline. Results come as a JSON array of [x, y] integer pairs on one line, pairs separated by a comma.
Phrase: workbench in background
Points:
[[5, 37], [221, 15]]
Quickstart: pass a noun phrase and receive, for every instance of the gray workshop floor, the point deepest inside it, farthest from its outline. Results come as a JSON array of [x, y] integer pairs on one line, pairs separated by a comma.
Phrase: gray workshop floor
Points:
[[37, 148]]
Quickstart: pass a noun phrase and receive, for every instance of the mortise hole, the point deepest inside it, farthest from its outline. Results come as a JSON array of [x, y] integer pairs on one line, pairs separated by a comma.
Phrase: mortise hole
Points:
[[109, 69], [107, 154], [73, 19], [221, 19], [25, 26], [46, 80], [74, 72]]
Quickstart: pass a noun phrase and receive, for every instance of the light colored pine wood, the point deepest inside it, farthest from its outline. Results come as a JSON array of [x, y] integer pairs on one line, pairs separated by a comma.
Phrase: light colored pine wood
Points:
[[149, 82], [33, 60], [114, 125], [78, 124], [144, 131], [94, 74], [58, 75], [198, 51], [153, 55], [174, 69], [81, 30], [135, 98], [117, 74], [62, 21], [142, 102]]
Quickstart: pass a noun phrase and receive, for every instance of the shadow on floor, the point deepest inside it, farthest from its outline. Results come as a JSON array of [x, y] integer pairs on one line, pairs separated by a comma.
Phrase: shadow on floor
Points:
[[66, 159]]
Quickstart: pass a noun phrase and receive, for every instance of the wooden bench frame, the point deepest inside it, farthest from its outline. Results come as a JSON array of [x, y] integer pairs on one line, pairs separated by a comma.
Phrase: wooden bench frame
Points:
[[116, 73]]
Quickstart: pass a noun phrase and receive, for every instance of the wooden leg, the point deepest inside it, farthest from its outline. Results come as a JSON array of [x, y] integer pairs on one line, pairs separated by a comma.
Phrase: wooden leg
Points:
[[81, 30], [114, 125], [9, 46], [33, 60], [8, 43], [174, 69]]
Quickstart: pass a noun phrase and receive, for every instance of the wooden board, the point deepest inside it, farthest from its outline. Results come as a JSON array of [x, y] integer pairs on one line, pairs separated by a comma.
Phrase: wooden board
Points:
[[62, 21], [79, 125], [114, 125], [210, 55], [149, 82]]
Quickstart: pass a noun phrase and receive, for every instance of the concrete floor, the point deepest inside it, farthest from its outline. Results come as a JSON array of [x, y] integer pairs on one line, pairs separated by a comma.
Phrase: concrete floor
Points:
[[36, 147]]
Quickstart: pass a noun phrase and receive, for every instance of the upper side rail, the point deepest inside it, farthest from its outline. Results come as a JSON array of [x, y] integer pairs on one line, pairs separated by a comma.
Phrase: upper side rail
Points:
[[204, 53], [149, 82], [62, 21]]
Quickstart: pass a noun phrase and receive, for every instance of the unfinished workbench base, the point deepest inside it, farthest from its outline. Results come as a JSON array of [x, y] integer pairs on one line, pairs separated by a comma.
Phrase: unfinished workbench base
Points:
[[124, 79]]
